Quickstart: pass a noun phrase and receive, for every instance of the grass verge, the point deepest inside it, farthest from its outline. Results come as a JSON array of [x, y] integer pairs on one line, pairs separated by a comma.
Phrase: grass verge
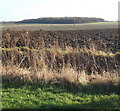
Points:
[[22, 95]]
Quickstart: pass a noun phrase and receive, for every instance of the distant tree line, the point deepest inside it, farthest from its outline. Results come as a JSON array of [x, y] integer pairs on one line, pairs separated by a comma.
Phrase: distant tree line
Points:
[[62, 20]]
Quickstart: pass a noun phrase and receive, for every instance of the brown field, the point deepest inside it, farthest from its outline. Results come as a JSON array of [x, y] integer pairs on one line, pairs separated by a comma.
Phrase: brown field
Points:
[[77, 55]]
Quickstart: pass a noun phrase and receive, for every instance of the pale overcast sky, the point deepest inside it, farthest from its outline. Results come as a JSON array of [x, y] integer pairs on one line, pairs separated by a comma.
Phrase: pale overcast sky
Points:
[[14, 10]]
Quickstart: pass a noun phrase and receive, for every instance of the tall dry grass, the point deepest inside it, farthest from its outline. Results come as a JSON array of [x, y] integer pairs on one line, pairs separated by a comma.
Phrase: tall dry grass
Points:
[[34, 61]]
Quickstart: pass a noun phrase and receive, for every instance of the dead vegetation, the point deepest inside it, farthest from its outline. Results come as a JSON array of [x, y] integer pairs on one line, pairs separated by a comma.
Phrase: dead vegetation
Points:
[[34, 56]]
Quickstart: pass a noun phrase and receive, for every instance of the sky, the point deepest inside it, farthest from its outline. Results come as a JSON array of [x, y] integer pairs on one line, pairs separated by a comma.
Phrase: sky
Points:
[[16, 10]]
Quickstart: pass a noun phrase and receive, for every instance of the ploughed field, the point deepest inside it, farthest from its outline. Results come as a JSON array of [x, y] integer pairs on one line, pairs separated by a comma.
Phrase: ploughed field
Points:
[[89, 50]]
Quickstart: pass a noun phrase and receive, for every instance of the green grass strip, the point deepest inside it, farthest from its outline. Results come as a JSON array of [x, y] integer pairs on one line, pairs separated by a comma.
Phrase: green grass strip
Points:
[[60, 51], [33, 96]]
